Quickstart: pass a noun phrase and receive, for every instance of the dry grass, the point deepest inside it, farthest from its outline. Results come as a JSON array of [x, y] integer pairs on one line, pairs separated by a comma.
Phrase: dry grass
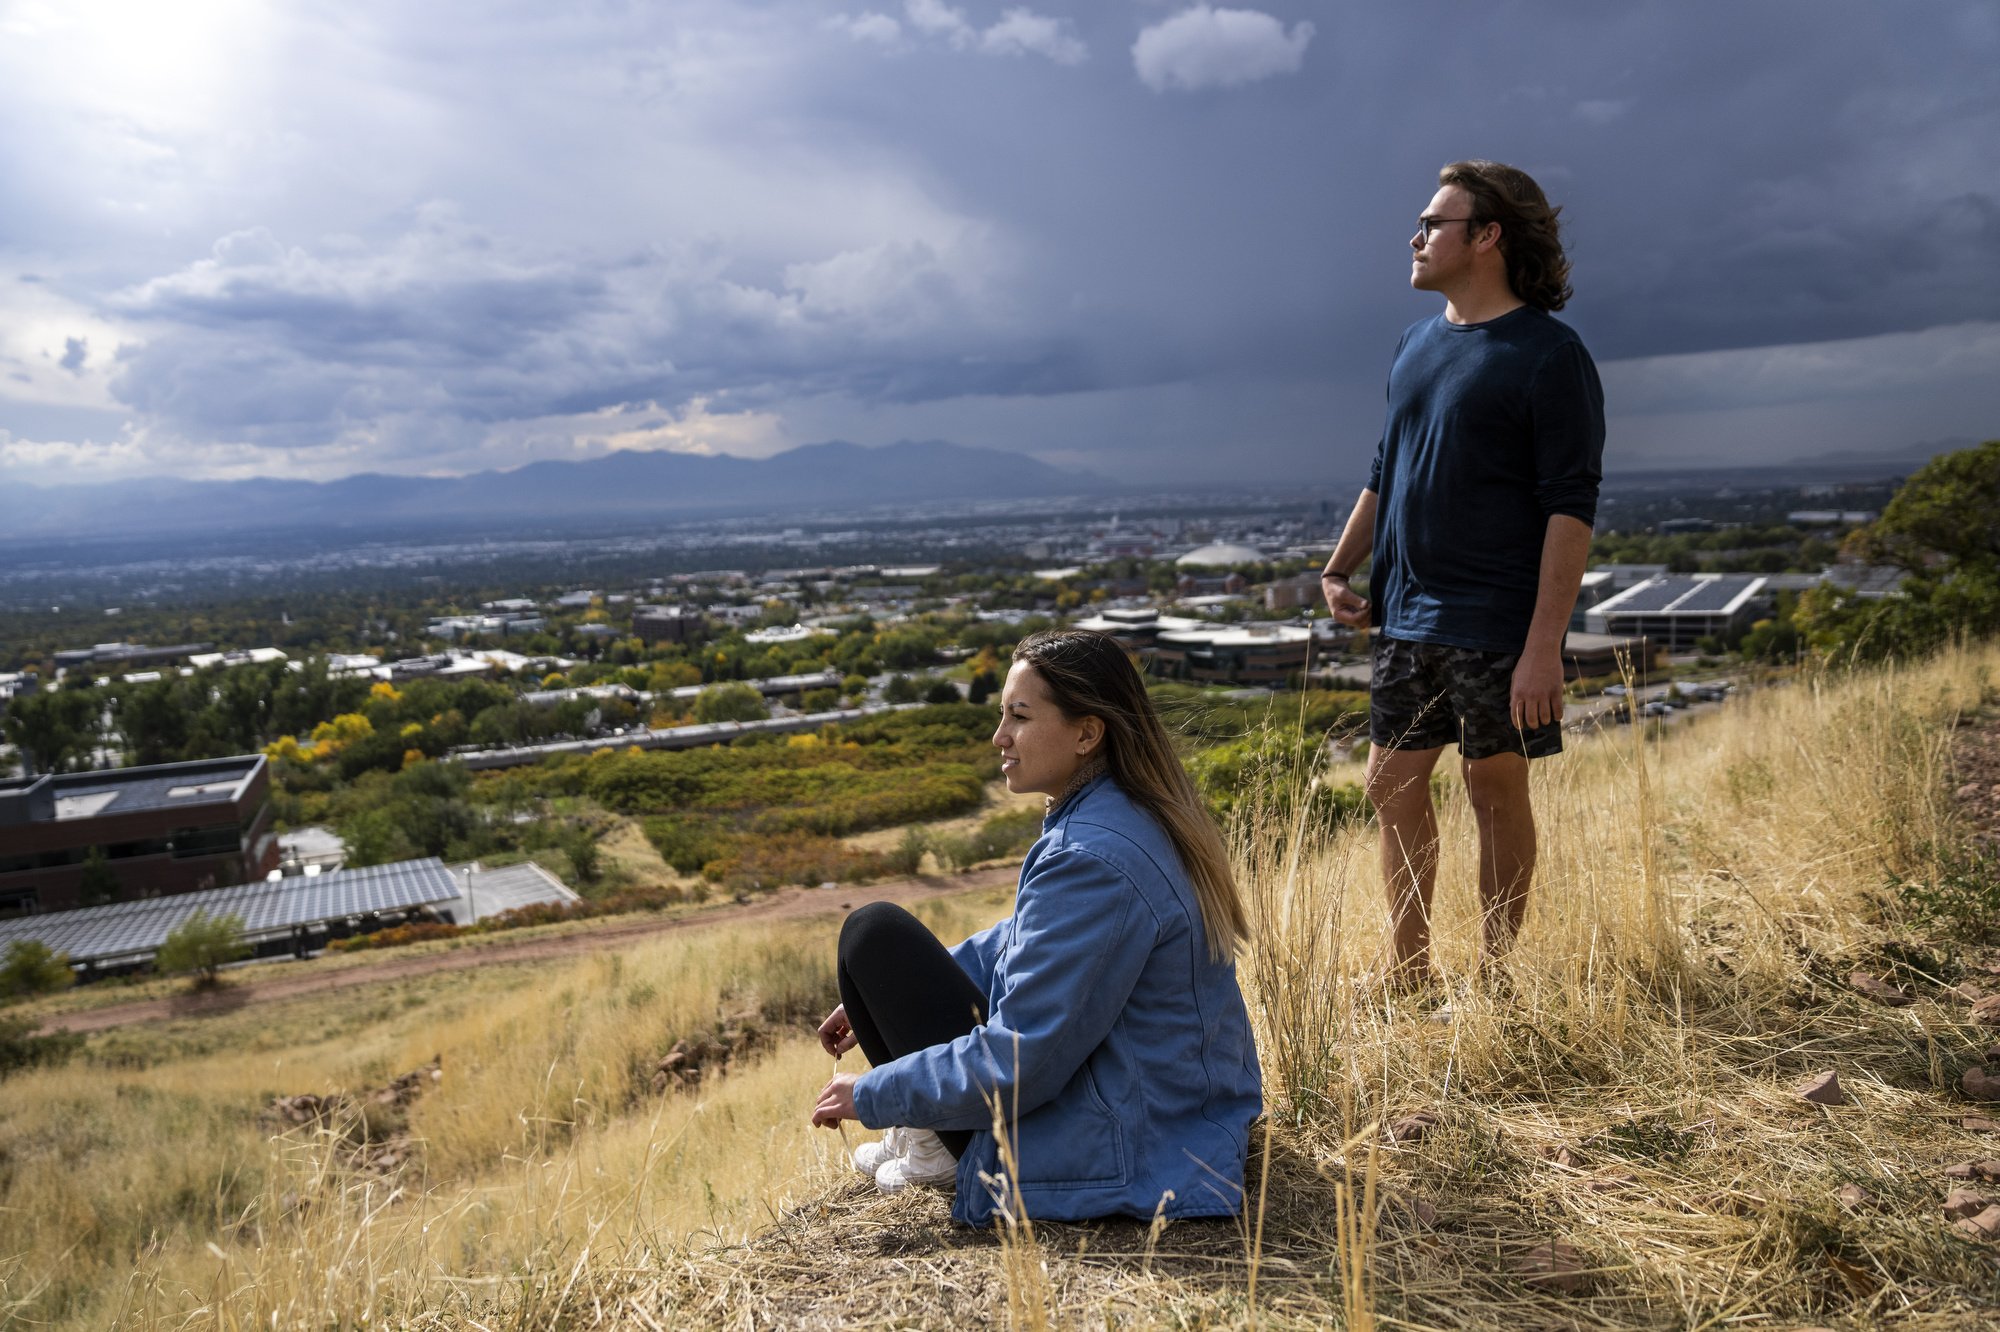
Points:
[[628, 855], [1701, 898]]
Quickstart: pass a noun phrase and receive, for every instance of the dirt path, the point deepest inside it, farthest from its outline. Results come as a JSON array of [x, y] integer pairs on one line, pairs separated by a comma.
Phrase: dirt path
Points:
[[787, 904]]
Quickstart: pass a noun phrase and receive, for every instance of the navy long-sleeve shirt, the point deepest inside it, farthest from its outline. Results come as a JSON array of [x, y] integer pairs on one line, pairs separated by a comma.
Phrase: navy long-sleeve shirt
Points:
[[1492, 429]]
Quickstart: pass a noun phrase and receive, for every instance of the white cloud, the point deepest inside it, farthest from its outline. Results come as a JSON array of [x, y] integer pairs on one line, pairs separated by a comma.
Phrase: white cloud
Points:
[[1205, 47], [1019, 31], [1024, 32], [1888, 366], [939, 19], [1603, 111], [869, 27], [53, 350]]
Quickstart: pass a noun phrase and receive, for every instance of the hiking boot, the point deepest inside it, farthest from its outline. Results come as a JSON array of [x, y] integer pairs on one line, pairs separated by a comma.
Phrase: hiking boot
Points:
[[923, 1160]]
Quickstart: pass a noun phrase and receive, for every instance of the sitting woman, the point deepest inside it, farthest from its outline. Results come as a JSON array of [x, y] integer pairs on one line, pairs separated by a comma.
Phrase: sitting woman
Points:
[[1101, 1023]]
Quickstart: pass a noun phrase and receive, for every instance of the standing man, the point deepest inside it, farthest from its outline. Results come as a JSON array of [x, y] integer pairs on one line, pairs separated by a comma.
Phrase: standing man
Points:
[[1478, 513]]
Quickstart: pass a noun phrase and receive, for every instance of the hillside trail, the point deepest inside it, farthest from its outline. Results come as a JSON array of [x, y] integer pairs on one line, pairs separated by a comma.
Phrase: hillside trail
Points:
[[784, 905]]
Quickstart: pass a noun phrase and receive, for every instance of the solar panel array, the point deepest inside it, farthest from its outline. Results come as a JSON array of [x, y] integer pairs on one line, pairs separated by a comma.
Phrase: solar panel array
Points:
[[125, 930], [1715, 595], [1652, 597], [1681, 593]]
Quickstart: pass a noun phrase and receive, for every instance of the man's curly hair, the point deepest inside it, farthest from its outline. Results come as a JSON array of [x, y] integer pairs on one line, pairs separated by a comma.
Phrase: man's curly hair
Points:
[[1530, 235]]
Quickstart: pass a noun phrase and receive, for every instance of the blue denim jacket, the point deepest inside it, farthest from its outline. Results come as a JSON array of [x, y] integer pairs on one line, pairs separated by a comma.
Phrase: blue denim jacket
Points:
[[1120, 1053]]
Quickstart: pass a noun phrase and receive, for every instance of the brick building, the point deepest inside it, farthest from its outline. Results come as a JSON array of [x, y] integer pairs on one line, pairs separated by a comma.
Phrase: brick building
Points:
[[170, 828]]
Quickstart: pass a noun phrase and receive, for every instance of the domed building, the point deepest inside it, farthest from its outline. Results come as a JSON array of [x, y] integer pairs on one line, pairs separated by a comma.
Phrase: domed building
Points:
[[1220, 555]]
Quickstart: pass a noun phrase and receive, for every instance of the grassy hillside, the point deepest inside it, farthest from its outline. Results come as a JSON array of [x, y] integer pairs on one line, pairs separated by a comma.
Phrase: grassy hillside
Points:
[[1619, 1143]]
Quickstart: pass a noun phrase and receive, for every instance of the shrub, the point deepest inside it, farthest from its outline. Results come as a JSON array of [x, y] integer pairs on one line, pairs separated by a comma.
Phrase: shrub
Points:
[[396, 935], [21, 1048], [202, 944], [32, 967], [999, 837], [793, 857], [878, 800], [730, 702], [908, 855], [1266, 772], [685, 843], [1961, 894]]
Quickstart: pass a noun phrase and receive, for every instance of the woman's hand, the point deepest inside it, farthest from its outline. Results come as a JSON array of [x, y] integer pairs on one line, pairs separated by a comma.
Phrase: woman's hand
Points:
[[835, 1036], [836, 1099]]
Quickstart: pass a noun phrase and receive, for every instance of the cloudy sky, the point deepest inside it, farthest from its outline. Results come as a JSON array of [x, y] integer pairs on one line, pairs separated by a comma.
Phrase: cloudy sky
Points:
[[1165, 241]]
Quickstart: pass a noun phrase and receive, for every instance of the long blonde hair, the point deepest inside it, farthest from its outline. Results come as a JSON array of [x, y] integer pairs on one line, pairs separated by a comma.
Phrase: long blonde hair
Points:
[[1089, 675]]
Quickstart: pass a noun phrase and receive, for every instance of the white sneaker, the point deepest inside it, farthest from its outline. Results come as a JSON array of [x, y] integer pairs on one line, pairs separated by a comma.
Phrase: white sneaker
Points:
[[869, 1156], [922, 1160]]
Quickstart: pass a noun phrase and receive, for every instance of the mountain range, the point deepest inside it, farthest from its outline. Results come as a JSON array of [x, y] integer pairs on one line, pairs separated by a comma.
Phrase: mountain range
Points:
[[624, 485]]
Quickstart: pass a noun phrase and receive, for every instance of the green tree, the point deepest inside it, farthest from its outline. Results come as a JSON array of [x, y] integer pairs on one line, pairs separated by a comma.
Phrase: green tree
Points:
[[730, 702], [32, 967], [1946, 518], [1943, 530], [982, 687], [100, 884], [581, 847], [900, 689], [941, 691], [55, 729], [202, 944], [154, 719]]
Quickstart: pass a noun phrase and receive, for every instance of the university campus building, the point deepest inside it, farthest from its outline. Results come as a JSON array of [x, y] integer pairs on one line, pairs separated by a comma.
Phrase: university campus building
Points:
[[171, 828]]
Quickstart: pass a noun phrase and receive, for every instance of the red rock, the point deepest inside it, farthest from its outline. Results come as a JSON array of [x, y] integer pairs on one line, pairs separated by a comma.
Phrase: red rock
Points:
[[1969, 992], [1987, 1011], [1411, 1128], [1980, 1124], [1992, 1054], [1969, 790], [1881, 991], [1979, 1084], [1563, 1157], [1985, 1226], [1962, 1203], [1823, 1090], [1853, 1196], [1860, 1282], [1611, 1183], [1554, 1265], [1987, 1170], [1422, 1212]]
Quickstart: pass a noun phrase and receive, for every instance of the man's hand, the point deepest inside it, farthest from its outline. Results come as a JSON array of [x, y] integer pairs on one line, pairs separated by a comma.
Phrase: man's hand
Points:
[[1348, 607], [836, 1102], [836, 1037], [1537, 696]]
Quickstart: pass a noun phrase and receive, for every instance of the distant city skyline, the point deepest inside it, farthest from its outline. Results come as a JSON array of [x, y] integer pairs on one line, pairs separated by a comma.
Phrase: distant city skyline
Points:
[[1164, 242]]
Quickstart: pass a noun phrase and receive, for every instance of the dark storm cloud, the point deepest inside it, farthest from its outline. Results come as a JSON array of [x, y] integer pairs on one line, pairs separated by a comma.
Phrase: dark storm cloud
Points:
[[1170, 228]]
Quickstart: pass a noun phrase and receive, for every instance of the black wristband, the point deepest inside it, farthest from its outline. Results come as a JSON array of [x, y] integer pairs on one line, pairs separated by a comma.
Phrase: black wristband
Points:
[[1335, 573]]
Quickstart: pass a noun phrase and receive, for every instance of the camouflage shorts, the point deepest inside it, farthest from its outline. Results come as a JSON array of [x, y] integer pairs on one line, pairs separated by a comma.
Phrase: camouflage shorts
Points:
[[1427, 695]]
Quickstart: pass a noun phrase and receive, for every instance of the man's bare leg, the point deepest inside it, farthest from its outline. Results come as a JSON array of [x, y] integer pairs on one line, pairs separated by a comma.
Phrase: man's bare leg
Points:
[[1399, 786], [1498, 789]]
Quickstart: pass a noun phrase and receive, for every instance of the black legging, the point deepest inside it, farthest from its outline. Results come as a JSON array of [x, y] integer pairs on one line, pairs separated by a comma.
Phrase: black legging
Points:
[[903, 992]]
